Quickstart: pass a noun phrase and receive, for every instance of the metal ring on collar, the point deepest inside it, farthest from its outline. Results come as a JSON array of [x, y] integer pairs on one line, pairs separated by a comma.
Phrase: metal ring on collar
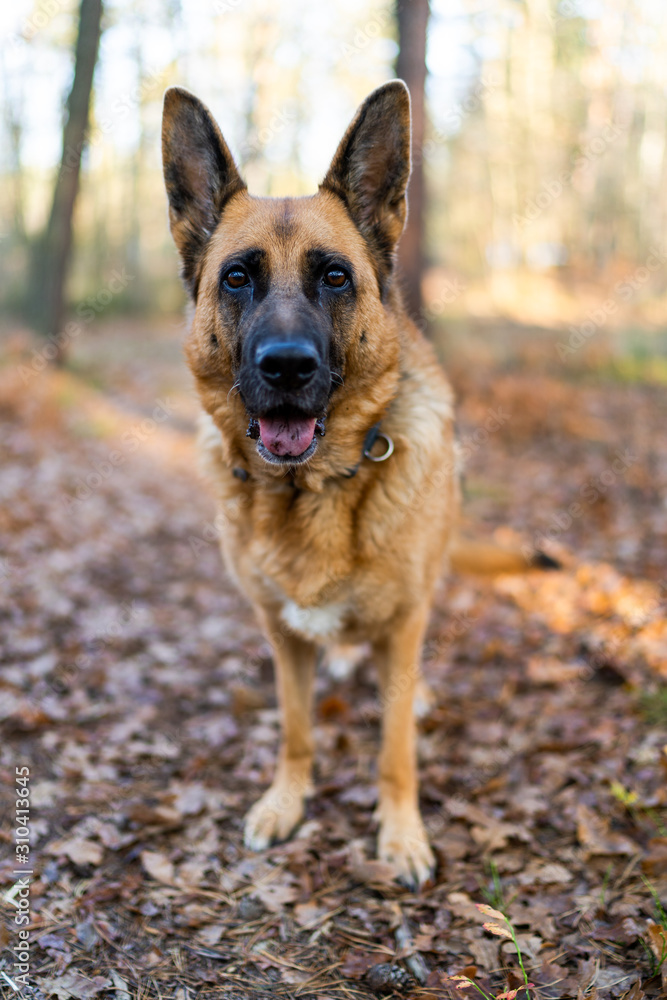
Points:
[[387, 454]]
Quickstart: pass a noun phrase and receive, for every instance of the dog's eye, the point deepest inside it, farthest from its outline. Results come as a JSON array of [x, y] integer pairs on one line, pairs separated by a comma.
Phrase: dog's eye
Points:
[[335, 277], [236, 277]]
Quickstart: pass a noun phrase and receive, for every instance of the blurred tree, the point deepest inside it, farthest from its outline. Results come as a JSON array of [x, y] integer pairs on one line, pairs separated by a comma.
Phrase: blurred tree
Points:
[[13, 121], [412, 17], [52, 250]]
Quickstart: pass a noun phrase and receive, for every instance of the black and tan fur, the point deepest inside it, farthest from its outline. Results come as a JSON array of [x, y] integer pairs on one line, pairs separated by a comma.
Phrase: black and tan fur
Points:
[[326, 557]]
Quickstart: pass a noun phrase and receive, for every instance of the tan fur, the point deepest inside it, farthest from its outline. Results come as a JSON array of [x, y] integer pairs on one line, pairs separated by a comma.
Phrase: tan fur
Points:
[[469, 556], [374, 544], [327, 559]]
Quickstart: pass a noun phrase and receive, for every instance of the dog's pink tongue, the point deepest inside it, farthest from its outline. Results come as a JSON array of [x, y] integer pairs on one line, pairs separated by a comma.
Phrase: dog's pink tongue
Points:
[[286, 437]]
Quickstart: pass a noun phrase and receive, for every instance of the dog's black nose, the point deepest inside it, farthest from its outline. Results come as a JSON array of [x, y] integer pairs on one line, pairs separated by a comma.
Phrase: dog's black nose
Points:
[[287, 364]]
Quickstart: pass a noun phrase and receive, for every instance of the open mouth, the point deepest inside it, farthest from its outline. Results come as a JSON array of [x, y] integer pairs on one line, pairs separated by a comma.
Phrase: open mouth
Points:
[[286, 437]]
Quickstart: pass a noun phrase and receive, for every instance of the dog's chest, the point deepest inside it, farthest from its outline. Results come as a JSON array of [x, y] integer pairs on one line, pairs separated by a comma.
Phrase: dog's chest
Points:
[[312, 604], [313, 578], [320, 624], [304, 550], [314, 562]]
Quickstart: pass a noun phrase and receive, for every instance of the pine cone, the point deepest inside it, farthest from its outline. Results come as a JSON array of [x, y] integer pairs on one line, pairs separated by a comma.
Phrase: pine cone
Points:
[[384, 978]]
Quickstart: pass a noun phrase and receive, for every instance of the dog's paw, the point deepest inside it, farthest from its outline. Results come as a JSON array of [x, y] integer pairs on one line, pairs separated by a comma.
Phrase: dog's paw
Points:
[[403, 843], [272, 818]]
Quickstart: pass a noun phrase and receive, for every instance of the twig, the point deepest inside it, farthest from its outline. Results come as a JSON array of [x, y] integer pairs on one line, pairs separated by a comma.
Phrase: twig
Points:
[[414, 962]]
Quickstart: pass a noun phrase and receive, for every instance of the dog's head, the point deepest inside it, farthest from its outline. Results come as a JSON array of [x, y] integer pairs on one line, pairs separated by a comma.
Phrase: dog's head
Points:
[[289, 293]]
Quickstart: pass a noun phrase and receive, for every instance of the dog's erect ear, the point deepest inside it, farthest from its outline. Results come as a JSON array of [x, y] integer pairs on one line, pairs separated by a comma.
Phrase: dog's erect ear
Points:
[[200, 176], [371, 168]]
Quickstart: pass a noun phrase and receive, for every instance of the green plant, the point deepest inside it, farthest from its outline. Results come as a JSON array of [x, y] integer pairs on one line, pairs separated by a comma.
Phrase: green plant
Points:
[[496, 895], [654, 942], [631, 802], [504, 929], [653, 705], [605, 882], [654, 962], [660, 914]]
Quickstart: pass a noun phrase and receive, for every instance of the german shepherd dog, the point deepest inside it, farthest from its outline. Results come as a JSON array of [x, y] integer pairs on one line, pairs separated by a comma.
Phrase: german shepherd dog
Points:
[[328, 432]]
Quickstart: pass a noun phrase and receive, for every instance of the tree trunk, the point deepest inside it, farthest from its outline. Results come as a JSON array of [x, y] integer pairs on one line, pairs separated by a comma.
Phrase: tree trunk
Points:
[[412, 17], [53, 249]]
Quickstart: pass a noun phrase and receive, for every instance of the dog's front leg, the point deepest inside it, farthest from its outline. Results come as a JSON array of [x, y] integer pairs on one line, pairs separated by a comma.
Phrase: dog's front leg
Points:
[[279, 810], [402, 838]]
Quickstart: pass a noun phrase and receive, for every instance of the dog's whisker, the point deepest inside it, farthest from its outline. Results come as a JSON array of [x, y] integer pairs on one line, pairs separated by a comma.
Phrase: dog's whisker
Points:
[[335, 377], [237, 386]]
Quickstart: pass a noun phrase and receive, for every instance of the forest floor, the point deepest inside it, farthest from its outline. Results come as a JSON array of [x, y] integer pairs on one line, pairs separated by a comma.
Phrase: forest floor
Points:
[[136, 688]]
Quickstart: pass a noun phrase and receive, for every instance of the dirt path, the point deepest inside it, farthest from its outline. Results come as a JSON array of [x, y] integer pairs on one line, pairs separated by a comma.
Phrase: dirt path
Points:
[[136, 687]]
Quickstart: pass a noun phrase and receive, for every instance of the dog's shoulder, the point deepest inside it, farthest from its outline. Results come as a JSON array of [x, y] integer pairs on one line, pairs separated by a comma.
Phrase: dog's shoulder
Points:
[[418, 485], [210, 448], [421, 417]]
